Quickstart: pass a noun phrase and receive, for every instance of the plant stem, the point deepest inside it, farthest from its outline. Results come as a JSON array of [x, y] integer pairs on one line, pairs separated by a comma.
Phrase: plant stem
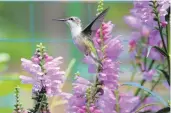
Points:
[[142, 100], [168, 58], [167, 35], [161, 35], [168, 45], [155, 6], [41, 103], [160, 29], [138, 90], [143, 81], [151, 65], [145, 62], [116, 93]]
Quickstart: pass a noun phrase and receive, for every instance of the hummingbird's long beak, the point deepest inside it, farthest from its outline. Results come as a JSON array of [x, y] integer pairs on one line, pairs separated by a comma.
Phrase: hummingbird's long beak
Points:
[[60, 20]]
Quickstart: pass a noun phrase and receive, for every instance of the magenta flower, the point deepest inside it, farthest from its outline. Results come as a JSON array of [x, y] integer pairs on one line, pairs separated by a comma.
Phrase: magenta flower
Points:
[[133, 22], [109, 74], [112, 46], [154, 39], [106, 102], [166, 85], [142, 20], [127, 102], [108, 49], [143, 11], [149, 100], [51, 77], [80, 86], [106, 31], [77, 102], [135, 38], [148, 75], [144, 39]]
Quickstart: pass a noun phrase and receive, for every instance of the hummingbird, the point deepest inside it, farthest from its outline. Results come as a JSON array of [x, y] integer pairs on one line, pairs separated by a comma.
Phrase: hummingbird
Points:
[[83, 37]]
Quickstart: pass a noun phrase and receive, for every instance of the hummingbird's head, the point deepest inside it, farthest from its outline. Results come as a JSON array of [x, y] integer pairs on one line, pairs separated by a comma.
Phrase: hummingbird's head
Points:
[[74, 24]]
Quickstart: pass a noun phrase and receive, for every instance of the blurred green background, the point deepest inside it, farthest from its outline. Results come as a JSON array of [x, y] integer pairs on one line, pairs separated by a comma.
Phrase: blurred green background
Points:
[[25, 24]]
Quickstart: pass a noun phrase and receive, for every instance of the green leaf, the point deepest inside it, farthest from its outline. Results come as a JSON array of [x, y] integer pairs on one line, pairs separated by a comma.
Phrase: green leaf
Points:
[[146, 105], [147, 90], [70, 66], [69, 69], [161, 51], [166, 75], [164, 110]]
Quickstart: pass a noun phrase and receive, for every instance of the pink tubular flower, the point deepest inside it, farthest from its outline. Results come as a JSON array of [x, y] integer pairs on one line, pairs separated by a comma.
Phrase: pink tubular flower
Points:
[[149, 100], [109, 74], [148, 75], [51, 77], [106, 31], [113, 48], [77, 102], [142, 20], [106, 102], [133, 22], [80, 86], [108, 50], [127, 102], [135, 38], [142, 40], [143, 11]]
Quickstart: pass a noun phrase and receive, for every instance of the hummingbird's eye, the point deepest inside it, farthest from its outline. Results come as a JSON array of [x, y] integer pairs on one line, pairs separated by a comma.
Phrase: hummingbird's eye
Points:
[[71, 19]]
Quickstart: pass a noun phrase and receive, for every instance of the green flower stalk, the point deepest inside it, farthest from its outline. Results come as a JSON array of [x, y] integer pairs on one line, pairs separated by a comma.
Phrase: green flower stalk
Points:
[[41, 104], [160, 28], [18, 105], [40, 97], [100, 7]]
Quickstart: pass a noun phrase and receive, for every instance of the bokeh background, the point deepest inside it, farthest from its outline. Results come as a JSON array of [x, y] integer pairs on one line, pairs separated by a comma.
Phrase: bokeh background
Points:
[[25, 24]]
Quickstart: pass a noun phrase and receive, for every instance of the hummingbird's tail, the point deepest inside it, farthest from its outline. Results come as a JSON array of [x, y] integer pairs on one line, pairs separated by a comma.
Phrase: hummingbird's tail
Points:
[[98, 61]]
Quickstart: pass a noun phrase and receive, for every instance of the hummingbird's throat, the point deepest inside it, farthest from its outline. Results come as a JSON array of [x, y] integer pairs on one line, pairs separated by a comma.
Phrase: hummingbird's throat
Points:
[[76, 30]]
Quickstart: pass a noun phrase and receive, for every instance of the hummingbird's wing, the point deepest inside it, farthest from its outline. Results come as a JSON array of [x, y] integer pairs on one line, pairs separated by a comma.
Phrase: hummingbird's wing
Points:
[[95, 24]]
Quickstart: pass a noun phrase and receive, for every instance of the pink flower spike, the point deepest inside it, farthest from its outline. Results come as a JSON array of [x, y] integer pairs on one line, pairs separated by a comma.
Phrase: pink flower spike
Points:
[[35, 60], [164, 24]]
